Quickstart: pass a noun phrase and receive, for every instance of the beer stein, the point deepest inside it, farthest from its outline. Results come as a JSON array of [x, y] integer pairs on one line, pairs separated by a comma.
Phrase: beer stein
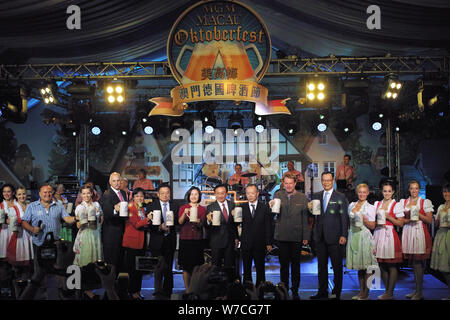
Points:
[[169, 218], [414, 213], [381, 217], [238, 214], [13, 224], [193, 214], [2, 216]]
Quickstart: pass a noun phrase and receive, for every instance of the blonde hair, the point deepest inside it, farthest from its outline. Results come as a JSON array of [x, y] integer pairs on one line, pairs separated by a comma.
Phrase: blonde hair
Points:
[[362, 185]]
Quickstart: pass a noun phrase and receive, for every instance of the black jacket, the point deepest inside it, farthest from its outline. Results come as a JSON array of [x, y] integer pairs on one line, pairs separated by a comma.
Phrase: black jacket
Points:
[[257, 230], [156, 234], [334, 222], [221, 236]]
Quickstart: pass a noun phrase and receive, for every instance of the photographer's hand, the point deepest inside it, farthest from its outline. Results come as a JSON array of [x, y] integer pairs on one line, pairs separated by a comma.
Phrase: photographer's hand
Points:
[[199, 281], [108, 281]]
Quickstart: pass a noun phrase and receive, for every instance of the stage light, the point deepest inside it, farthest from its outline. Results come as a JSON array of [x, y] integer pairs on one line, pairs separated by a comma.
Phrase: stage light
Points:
[[148, 130], [393, 88], [124, 132], [259, 123], [321, 127], [315, 88], [320, 121], [376, 126], [115, 92], [47, 93], [209, 129], [380, 115], [96, 131], [292, 128]]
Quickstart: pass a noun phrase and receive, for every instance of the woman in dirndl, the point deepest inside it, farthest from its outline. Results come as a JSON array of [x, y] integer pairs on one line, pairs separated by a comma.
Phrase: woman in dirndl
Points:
[[416, 240], [388, 248], [361, 244], [88, 245], [19, 252], [440, 254]]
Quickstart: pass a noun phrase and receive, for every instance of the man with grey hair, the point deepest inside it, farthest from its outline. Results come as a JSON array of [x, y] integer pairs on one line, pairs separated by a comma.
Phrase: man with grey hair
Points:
[[113, 225]]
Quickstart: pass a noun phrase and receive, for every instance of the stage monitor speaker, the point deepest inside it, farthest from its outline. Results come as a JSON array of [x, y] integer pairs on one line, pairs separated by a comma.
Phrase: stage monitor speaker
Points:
[[434, 194]]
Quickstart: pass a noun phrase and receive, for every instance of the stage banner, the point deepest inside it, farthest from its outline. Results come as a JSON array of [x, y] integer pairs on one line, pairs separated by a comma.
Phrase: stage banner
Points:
[[218, 50]]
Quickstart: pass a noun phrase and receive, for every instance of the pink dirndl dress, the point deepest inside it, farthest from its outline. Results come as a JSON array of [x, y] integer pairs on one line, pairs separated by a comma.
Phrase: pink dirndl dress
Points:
[[388, 248], [416, 240]]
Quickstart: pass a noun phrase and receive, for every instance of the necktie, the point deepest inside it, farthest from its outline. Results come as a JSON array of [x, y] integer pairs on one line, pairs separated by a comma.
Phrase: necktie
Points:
[[164, 210], [120, 195], [225, 212], [325, 203], [253, 210]]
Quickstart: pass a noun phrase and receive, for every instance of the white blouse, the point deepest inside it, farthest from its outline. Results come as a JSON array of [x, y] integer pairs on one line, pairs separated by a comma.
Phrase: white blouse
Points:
[[398, 209], [427, 205], [366, 208]]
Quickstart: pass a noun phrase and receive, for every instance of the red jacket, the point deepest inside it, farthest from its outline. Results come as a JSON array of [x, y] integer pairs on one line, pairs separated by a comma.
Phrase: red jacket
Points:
[[134, 234]]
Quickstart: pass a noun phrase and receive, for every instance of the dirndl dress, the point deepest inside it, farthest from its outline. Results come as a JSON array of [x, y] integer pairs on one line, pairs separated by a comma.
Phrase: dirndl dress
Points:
[[440, 254], [361, 243], [416, 239], [388, 248], [20, 247], [87, 245], [5, 233]]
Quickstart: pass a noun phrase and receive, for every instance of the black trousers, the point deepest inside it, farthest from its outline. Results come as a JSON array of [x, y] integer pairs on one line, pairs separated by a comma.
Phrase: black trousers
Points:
[[112, 247], [164, 279], [257, 255], [290, 255], [135, 282], [227, 254], [333, 251]]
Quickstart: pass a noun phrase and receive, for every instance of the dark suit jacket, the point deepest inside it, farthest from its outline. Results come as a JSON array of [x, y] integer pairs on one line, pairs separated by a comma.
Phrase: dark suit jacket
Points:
[[292, 222], [257, 230], [221, 236], [113, 225], [334, 222], [156, 235]]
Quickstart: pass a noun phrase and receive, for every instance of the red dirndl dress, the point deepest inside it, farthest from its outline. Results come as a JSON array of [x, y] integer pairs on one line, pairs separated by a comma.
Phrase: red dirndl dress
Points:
[[427, 238], [398, 256]]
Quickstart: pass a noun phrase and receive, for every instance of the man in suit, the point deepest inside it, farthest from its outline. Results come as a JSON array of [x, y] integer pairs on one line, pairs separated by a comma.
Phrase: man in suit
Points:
[[163, 242], [256, 234], [291, 231], [223, 239], [330, 235], [113, 225]]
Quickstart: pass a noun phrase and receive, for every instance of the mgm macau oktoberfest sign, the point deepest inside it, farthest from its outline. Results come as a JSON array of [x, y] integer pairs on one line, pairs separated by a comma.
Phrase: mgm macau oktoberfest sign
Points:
[[218, 50]]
